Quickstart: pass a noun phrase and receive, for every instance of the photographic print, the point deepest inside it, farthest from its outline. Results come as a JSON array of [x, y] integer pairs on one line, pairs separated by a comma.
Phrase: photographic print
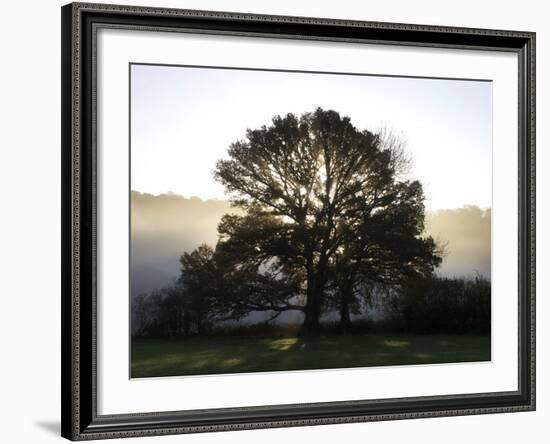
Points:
[[275, 221], [284, 221]]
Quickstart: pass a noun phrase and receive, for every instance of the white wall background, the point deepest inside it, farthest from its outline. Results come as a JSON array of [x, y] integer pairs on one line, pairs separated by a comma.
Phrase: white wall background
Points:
[[30, 222]]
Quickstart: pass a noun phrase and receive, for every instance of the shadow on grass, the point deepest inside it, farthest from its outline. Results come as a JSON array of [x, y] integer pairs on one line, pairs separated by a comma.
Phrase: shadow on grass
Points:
[[221, 355]]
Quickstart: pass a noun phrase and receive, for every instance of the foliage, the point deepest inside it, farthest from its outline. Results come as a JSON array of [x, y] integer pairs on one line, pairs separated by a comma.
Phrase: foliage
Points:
[[436, 305], [159, 314]]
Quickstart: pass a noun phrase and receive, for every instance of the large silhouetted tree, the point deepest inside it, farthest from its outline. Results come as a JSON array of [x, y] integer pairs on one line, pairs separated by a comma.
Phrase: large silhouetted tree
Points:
[[324, 205]]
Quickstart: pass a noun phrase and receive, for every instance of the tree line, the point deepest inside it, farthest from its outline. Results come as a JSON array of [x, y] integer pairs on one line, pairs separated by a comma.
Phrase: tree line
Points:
[[428, 305]]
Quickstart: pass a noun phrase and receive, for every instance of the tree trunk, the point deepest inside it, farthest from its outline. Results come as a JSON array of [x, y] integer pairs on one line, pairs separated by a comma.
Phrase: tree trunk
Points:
[[315, 289], [311, 326], [316, 279]]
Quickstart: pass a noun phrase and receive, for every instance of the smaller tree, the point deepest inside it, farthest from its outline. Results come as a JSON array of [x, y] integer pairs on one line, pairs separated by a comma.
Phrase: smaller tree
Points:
[[158, 314], [199, 283]]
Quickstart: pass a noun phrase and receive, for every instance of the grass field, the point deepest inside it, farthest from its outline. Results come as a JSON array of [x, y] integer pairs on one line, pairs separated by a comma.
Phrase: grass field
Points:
[[200, 356]]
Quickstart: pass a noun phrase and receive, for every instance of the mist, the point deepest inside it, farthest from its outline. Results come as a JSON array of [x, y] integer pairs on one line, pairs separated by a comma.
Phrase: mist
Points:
[[165, 226], [466, 234]]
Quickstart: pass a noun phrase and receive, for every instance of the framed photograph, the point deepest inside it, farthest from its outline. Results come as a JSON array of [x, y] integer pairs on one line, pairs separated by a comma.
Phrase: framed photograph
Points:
[[278, 221]]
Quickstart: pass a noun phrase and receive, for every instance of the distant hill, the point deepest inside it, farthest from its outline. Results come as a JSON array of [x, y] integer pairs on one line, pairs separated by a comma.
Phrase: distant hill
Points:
[[165, 226]]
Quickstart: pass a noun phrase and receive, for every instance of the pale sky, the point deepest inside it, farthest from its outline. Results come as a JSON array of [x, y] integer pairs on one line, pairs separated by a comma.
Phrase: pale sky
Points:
[[183, 120]]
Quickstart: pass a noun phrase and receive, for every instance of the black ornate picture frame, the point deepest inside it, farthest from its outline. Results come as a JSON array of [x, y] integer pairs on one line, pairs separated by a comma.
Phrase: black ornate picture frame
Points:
[[80, 419]]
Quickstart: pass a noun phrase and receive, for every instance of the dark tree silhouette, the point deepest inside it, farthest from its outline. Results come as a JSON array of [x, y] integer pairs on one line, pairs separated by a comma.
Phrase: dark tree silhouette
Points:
[[199, 282], [383, 248], [321, 199], [258, 261]]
